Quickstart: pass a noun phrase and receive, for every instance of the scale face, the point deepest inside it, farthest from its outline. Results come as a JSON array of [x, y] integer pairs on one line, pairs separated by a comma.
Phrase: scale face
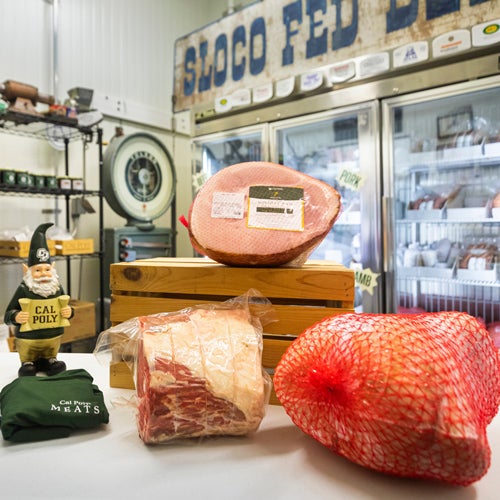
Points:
[[143, 176], [139, 177]]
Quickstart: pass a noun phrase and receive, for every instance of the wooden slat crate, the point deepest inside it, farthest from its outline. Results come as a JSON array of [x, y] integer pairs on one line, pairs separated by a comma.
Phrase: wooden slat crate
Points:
[[82, 324], [74, 247], [12, 248], [300, 296]]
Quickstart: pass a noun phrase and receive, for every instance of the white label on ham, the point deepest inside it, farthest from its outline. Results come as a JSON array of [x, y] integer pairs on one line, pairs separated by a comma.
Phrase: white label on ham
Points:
[[228, 205], [276, 207]]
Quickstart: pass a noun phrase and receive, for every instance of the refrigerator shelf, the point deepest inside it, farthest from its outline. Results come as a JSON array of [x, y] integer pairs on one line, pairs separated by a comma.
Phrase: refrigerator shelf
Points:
[[419, 272], [350, 218], [425, 215], [468, 214], [452, 158], [469, 275], [412, 274], [485, 220]]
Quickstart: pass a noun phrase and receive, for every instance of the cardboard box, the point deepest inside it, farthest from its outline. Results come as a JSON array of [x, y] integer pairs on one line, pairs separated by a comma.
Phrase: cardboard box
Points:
[[300, 296]]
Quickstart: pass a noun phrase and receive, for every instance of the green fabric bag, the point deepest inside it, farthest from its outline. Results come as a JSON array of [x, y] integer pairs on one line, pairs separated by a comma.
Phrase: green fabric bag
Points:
[[41, 408]]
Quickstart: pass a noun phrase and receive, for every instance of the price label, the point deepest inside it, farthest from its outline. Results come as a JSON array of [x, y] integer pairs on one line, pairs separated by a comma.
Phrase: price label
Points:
[[228, 205], [276, 207]]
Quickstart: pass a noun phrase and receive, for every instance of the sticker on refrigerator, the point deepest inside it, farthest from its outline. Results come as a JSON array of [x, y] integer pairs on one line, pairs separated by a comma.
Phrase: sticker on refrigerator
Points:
[[276, 207], [373, 64], [365, 279], [450, 43], [311, 81], [350, 179], [285, 87], [342, 72], [410, 54], [486, 33], [198, 180], [228, 205], [223, 104], [241, 98], [262, 93]]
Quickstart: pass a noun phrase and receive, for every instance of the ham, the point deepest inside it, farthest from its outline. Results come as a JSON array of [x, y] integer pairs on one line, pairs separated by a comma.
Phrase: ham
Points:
[[261, 214], [404, 394], [199, 373]]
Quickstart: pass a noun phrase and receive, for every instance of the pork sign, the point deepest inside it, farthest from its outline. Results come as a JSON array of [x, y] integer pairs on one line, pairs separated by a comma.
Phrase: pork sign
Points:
[[271, 40]]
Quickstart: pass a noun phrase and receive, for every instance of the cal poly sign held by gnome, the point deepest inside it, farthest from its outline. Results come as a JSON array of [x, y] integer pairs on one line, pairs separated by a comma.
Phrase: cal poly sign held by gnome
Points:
[[39, 310]]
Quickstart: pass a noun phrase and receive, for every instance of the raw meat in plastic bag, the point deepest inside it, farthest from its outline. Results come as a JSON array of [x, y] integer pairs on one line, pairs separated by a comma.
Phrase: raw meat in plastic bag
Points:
[[198, 372]]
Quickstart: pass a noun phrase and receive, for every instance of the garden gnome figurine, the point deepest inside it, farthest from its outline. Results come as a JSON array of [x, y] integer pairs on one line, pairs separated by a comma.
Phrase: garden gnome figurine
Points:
[[39, 310]]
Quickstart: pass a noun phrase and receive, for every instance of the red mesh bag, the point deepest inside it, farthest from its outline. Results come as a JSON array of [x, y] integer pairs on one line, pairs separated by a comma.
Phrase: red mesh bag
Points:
[[404, 394]]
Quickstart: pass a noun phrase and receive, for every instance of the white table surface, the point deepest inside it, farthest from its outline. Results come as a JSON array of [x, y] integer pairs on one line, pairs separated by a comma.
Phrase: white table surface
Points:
[[277, 462]]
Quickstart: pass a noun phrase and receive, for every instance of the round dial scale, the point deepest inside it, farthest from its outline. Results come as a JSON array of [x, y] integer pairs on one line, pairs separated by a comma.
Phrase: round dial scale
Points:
[[139, 177]]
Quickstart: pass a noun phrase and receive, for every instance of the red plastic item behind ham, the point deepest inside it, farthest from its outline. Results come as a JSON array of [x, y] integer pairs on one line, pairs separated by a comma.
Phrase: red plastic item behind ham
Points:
[[408, 395]]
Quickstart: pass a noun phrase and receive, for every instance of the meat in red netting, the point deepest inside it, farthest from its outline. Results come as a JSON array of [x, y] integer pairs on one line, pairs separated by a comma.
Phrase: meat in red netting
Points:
[[409, 395]]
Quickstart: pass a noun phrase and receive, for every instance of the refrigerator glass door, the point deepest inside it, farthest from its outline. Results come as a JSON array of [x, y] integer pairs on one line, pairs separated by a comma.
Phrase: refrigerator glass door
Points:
[[340, 148], [443, 185], [213, 152]]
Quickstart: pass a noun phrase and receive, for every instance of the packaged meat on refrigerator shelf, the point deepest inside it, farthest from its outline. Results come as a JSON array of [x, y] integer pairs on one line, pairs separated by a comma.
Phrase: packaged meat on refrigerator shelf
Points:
[[479, 259], [429, 202]]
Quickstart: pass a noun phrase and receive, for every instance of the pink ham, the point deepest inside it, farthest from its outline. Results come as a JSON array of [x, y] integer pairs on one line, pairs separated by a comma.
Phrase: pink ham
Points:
[[221, 224]]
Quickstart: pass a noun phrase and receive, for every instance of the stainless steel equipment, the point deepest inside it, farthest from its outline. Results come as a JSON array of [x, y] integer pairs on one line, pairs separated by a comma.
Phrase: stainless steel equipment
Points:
[[442, 177], [213, 152], [340, 148], [126, 244], [384, 144]]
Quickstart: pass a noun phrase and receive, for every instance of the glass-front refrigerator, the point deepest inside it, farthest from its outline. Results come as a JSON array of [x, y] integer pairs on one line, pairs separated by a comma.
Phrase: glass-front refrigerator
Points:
[[442, 194], [213, 152], [341, 148]]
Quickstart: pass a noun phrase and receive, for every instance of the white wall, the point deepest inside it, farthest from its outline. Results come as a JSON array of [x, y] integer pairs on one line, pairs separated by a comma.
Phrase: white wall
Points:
[[123, 49]]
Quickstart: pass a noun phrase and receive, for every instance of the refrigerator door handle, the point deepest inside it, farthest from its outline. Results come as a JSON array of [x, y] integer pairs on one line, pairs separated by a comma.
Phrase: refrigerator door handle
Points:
[[388, 228]]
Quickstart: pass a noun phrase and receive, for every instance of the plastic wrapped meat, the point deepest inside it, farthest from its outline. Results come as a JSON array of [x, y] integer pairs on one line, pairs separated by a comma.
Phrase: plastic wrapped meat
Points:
[[199, 373], [405, 394], [261, 214]]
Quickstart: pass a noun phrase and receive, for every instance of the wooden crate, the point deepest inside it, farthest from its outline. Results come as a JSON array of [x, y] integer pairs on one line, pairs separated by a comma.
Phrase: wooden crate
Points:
[[300, 296], [82, 324], [12, 248], [74, 247]]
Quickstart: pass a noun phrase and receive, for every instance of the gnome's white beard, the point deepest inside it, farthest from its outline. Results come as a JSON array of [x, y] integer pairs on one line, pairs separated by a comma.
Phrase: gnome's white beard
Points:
[[43, 288]]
